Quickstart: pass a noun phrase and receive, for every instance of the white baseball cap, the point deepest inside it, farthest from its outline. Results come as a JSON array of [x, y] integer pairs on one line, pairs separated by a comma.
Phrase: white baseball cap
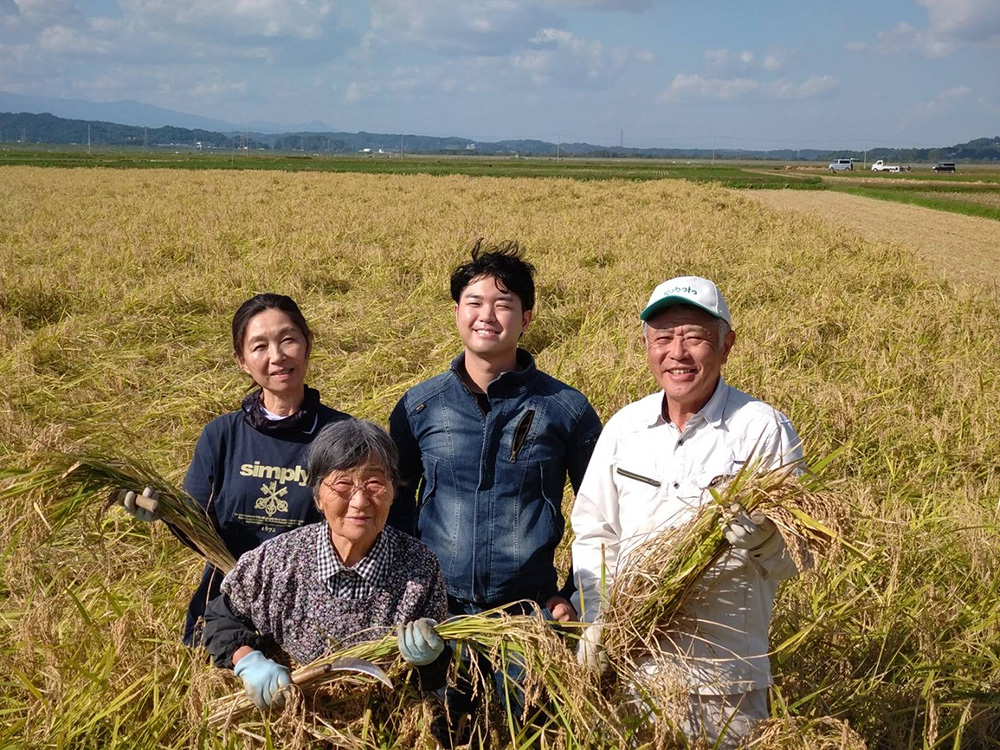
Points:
[[688, 290]]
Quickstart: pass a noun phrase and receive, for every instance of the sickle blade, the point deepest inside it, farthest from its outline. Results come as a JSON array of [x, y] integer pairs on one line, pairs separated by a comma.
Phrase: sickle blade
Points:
[[347, 664]]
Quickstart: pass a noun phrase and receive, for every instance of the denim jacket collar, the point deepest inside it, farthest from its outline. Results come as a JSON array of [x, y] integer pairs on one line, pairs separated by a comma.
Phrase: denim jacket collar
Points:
[[507, 383]]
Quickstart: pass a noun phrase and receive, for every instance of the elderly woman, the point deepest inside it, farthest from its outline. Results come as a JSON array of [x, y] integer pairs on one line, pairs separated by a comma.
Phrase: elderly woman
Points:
[[332, 584], [248, 469]]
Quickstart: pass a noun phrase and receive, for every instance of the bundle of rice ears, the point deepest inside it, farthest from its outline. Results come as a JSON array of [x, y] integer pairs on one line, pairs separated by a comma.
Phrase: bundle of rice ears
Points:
[[71, 482], [662, 573], [569, 703]]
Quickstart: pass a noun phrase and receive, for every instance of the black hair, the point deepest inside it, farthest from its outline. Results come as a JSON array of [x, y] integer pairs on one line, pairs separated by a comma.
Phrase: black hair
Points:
[[346, 444], [258, 304], [502, 262]]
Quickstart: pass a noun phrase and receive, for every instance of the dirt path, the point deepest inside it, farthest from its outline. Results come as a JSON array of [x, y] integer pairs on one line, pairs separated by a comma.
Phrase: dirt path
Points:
[[965, 248]]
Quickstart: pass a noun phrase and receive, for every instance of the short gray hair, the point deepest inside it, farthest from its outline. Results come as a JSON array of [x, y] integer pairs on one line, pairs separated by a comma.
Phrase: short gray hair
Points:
[[347, 444]]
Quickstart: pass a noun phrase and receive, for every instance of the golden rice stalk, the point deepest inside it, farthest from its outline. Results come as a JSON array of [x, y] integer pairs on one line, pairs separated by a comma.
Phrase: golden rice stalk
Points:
[[73, 481], [662, 573], [801, 733], [562, 690]]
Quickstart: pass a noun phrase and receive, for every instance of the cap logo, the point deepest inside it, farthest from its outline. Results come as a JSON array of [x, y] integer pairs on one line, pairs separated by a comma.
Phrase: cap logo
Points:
[[682, 290]]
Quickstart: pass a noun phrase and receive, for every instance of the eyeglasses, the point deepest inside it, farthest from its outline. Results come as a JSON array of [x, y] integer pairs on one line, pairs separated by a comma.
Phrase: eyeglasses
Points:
[[345, 488]]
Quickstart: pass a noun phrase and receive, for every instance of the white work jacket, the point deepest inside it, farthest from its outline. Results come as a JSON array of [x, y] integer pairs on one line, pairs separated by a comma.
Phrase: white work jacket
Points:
[[646, 476]]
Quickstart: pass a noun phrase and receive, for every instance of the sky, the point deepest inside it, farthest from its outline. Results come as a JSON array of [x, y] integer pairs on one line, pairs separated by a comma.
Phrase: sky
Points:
[[649, 73]]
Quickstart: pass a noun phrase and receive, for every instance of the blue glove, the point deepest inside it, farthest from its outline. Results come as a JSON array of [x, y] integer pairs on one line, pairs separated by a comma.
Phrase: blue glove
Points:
[[263, 679], [419, 642]]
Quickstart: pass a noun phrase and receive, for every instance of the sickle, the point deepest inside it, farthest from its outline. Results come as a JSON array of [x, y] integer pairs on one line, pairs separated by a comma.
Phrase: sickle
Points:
[[348, 664]]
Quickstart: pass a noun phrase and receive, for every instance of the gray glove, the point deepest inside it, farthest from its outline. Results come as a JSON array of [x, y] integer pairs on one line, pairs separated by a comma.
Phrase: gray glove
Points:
[[133, 508], [755, 533], [745, 531]]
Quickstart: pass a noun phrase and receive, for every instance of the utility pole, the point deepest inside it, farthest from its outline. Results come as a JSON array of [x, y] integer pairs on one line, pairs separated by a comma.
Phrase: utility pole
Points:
[[558, 146], [88, 140], [400, 145], [866, 157]]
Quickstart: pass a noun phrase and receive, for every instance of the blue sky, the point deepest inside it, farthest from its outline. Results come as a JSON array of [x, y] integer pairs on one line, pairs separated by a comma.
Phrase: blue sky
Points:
[[741, 74]]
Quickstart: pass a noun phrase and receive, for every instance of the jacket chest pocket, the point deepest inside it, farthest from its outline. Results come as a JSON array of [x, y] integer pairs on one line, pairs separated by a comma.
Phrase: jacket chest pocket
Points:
[[526, 437]]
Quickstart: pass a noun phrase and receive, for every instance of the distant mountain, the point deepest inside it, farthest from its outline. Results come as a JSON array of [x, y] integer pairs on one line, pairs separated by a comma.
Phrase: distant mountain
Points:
[[48, 128], [124, 112], [143, 115]]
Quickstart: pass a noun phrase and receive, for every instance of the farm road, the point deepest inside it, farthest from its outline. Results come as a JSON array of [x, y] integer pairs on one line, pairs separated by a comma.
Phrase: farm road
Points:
[[962, 247]]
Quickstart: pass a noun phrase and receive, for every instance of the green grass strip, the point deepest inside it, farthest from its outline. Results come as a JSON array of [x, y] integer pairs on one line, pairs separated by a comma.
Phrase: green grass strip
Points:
[[952, 206], [481, 166]]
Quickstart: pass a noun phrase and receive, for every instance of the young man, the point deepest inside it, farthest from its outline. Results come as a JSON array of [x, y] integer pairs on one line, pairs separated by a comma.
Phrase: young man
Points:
[[650, 471], [485, 448]]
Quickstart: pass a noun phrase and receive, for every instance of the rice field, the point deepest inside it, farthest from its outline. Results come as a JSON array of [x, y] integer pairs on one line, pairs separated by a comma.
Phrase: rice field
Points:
[[116, 289]]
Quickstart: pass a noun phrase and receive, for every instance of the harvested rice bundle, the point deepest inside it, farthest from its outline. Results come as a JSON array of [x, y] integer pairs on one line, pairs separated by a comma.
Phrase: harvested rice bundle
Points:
[[567, 698], [662, 573], [79, 480]]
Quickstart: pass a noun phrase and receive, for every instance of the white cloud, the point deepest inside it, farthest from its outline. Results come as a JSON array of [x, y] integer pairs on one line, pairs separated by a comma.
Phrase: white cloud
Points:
[[723, 62], [951, 24], [695, 86], [685, 87], [301, 19], [906, 38], [943, 101], [814, 86], [473, 27], [628, 6], [571, 60], [477, 27], [771, 63], [63, 40], [969, 20], [403, 83], [44, 11], [16, 69]]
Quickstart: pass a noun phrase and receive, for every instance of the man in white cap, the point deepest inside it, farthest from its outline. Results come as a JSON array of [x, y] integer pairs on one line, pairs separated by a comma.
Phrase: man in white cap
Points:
[[650, 471]]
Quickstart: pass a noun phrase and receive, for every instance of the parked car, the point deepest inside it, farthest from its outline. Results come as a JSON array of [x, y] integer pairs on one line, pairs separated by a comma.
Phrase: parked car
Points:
[[881, 166], [842, 165], [944, 166]]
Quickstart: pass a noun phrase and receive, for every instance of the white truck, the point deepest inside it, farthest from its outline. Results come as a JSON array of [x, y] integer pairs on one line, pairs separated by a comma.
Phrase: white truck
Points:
[[881, 166]]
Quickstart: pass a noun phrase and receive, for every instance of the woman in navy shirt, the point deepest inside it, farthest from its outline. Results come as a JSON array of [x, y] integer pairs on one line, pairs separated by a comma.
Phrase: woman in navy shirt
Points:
[[249, 466]]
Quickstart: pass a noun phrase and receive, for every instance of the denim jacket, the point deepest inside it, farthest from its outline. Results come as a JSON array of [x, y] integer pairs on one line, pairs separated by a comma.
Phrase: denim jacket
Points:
[[491, 484]]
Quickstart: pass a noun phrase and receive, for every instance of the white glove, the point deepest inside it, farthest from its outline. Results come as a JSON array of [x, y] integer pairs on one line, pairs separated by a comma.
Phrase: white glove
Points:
[[141, 513], [757, 534], [590, 650], [750, 532]]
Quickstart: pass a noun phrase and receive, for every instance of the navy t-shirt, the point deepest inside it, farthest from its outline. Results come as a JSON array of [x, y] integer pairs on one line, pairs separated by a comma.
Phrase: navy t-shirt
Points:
[[253, 485]]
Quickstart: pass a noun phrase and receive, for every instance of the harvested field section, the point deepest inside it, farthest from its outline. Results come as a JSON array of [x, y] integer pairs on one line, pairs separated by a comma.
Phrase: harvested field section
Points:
[[966, 248], [116, 291]]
